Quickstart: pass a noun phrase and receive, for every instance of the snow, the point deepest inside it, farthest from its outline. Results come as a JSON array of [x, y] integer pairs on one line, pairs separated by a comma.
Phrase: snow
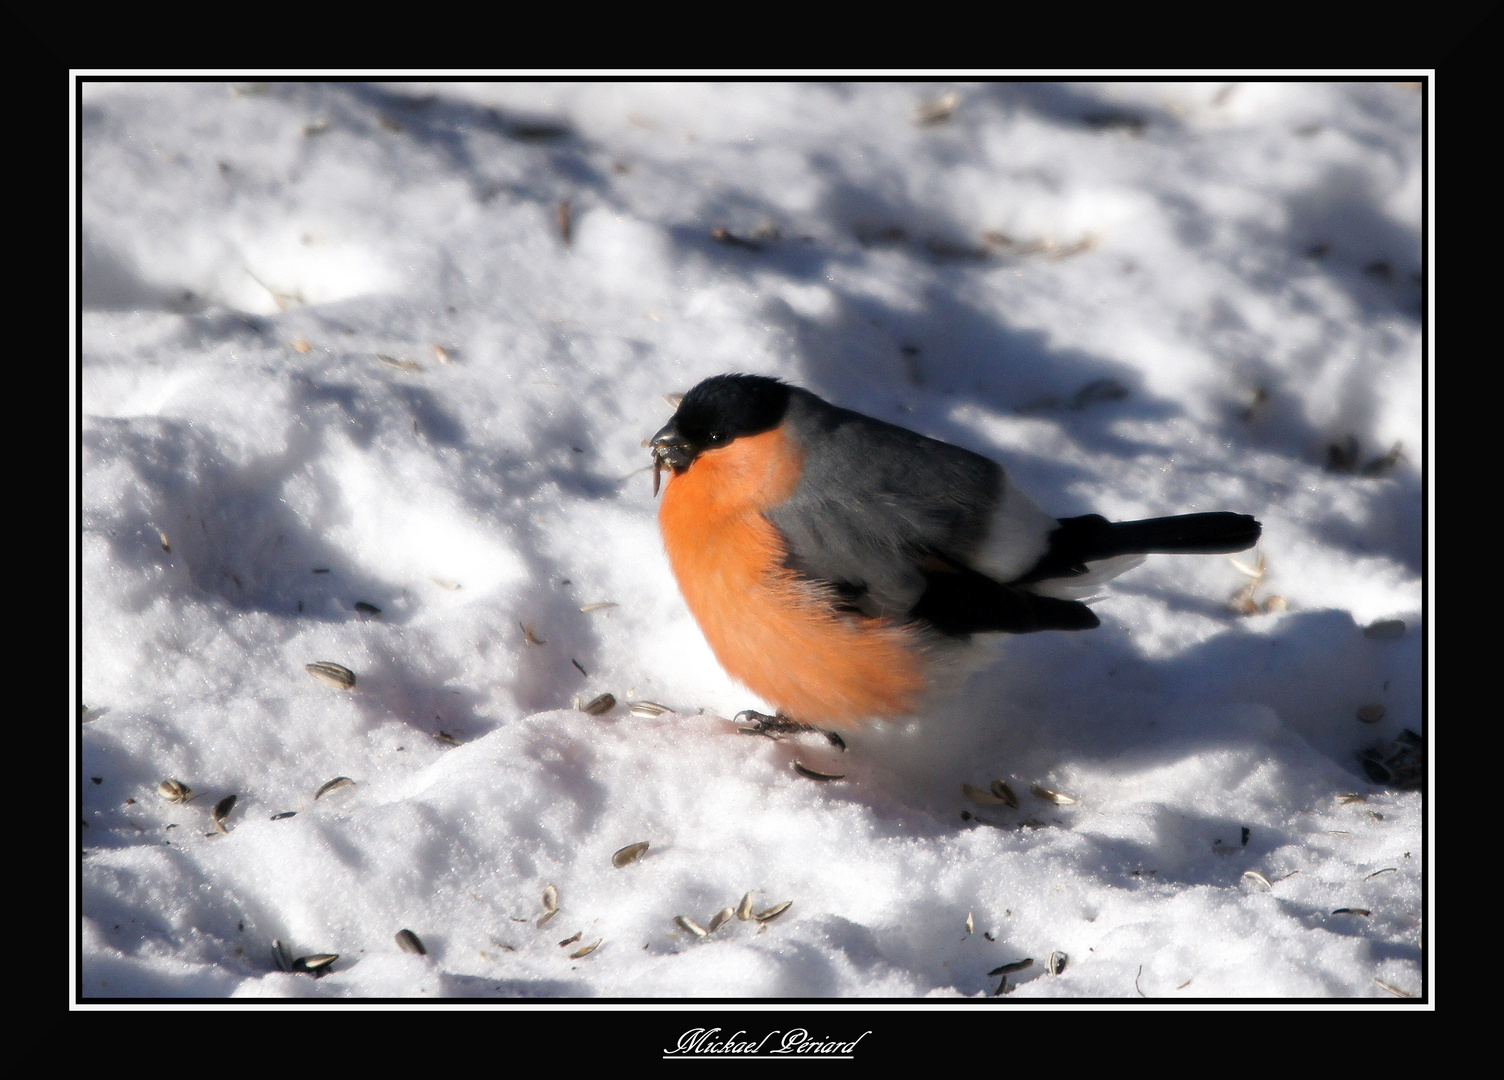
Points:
[[1142, 298]]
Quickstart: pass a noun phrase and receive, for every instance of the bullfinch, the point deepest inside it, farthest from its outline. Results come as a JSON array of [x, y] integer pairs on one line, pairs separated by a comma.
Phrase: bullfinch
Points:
[[841, 567]]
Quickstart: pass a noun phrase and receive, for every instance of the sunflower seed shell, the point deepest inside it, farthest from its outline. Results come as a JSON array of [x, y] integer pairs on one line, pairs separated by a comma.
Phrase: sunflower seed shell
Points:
[[336, 675], [629, 854]]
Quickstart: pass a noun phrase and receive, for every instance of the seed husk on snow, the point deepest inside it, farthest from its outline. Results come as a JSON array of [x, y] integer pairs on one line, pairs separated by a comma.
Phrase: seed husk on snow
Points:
[[550, 899], [332, 785], [586, 950], [588, 608], [629, 854], [571, 940], [648, 708], [982, 798], [409, 942], [804, 770], [336, 675], [400, 365], [773, 912], [1059, 798], [600, 706], [221, 811], [280, 956], [744, 909], [1257, 878], [1001, 789], [1057, 962], [720, 919], [686, 923], [316, 965], [1010, 968], [175, 791]]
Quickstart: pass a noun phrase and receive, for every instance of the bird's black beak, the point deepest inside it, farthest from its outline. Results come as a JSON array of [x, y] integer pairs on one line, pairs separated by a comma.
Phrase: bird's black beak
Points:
[[669, 448]]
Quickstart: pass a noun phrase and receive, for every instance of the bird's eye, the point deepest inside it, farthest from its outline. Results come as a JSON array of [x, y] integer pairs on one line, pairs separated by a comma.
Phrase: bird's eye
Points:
[[716, 438]]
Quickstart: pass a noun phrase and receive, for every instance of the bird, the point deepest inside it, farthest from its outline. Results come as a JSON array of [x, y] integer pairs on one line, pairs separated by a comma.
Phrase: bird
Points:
[[844, 568]]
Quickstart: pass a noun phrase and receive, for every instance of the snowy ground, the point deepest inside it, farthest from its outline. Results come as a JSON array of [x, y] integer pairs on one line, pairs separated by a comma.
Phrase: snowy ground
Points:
[[1143, 299]]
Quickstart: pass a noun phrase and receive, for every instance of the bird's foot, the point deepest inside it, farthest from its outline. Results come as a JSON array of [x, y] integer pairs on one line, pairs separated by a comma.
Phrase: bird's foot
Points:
[[777, 726]]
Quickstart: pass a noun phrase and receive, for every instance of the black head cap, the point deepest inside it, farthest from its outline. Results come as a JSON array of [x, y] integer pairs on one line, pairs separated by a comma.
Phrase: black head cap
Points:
[[726, 407], [718, 410]]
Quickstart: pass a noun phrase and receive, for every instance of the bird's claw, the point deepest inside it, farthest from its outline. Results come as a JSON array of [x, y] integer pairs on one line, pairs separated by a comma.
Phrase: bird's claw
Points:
[[777, 726]]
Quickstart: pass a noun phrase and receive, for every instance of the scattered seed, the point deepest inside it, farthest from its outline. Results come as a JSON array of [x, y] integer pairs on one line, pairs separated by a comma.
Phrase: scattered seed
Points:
[[586, 950], [1004, 792], [530, 637], [400, 365], [970, 925], [1385, 629], [336, 675], [1371, 714], [744, 909], [720, 919], [409, 942], [772, 912], [983, 798], [316, 965], [369, 610], [1386, 870], [1002, 988], [1010, 968], [175, 791], [1057, 962], [1275, 603], [1057, 797], [550, 899], [1395, 990], [648, 708], [299, 345], [221, 811], [445, 737], [600, 706], [689, 924], [441, 354], [1258, 878], [445, 583], [1352, 911], [1351, 797], [280, 956], [729, 238], [564, 221], [588, 608], [580, 667], [937, 111], [284, 814], [571, 940], [331, 785], [162, 536], [629, 854], [1098, 390], [804, 770], [543, 919]]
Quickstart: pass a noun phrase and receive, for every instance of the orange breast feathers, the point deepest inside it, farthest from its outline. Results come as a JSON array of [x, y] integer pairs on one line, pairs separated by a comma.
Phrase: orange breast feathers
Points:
[[772, 630]]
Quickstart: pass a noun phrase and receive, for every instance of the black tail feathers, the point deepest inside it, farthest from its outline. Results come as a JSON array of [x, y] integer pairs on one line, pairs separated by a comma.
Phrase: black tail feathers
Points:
[[1091, 538]]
